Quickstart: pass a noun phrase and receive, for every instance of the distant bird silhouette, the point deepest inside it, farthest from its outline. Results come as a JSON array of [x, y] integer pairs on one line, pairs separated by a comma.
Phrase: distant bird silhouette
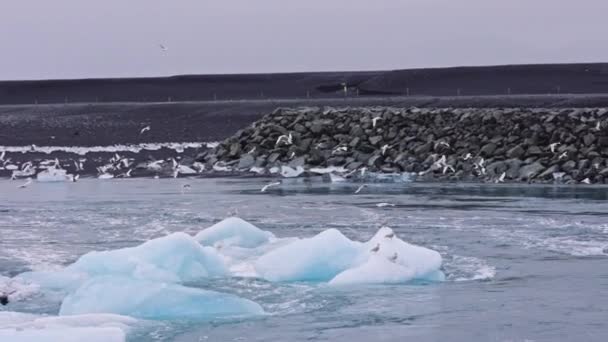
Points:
[[376, 249], [145, 129], [393, 258], [163, 48]]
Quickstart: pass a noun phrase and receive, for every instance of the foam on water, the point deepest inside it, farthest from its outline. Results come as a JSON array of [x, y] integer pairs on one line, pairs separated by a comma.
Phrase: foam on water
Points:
[[83, 150]]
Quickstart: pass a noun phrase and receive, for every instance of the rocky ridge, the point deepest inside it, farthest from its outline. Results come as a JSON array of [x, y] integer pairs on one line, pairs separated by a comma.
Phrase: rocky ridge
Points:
[[456, 144]]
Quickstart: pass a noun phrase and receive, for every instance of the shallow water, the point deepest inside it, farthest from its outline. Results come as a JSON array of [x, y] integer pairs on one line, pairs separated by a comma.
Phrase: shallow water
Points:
[[523, 262]]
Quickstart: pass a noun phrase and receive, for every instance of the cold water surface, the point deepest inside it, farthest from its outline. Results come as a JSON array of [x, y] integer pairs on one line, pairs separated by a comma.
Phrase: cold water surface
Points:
[[522, 262]]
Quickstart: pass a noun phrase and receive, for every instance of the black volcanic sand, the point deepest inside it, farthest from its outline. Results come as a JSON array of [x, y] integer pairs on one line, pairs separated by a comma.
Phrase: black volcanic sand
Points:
[[466, 81], [120, 123]]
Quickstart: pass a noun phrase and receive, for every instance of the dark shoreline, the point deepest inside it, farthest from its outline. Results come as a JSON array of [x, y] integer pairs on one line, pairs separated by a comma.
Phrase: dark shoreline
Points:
[[102, 124]]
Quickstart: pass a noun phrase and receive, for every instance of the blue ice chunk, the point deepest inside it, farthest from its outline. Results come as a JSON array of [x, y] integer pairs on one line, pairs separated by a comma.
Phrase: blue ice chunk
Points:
[[234, 231], [318, 258], [173, 258], [154, 300]]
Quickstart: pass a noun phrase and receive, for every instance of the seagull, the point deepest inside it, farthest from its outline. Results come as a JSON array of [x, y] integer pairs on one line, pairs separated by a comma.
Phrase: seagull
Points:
[[390, 235], [586, 181], [442, 143], [598, 126], [2, 155], [360, 188], [447, 167], [270, 185], [501, 179], [26, 184], [374, 120], [33, 147], [163, 48], [384, 148], [252, 150], [558, 175], [393, 258], [375, 249], [563, 155], [553, 146], [340, 149], [145, 129], [281, 138], [75, 178], [363, 170]]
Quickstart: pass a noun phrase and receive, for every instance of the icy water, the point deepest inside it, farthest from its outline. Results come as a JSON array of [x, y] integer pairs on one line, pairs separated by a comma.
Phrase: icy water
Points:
[[523, 263]]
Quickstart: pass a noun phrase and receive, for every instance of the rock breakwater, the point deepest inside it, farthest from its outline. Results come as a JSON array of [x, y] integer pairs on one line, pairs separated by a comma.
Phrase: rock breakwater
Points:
[[456, 144]]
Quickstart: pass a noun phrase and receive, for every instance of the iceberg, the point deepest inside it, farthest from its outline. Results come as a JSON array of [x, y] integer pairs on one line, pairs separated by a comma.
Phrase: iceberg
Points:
[[332, 257], [154, 300], [377, 270], [234, 231], [319, 258], [18, 327], [173, 258], [53, 174], [63, 335]]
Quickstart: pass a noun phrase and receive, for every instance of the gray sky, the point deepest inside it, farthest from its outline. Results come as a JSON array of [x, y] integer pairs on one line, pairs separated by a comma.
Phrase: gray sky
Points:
[[119, 38]]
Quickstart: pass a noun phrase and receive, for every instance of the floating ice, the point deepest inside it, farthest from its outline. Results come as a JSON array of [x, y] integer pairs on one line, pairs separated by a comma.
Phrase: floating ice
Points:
[[330, 169], [377, 270], [330, 256], [18, 327], [424, 262], [53, 175], [233, 231], [318, 258], [173, 258], [289, 172], [17, 289], [153, 300]]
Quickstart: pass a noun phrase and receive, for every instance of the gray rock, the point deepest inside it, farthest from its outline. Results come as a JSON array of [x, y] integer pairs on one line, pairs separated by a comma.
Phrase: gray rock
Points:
[[548, 173], [375, 161], [488, 149], [235, 149], [299, 161], [273, 157], [246, 162], [516, 152], [375, 140], [530, 171], [588, 139], [534, 151], [569, 166]]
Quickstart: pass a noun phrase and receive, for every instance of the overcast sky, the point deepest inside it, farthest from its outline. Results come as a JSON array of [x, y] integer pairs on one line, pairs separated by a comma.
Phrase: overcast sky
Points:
[[42, 39]]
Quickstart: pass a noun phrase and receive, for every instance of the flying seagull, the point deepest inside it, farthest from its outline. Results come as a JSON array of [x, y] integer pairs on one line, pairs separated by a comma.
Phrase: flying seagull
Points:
[[144, 130], [360, 188], [26, 184], [270, 185], [162, 47]]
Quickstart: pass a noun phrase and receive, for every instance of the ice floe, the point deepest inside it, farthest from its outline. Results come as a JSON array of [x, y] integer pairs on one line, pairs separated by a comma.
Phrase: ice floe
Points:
[[154, 300], [234, 231], [133, 148]]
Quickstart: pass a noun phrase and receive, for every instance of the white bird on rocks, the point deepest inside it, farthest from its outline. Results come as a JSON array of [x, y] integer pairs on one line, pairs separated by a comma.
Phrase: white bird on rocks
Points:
[[144, 130], [26, 184], [2, 155], [393, 258], [442, 143], [467, 157], [360, 188], [340, 149], [563, 155], [252, 150], [598, 126], [384, 148], [270, 185], [75, 178], [553, 146], [501, 179], [586, 181], [78, 166], [363, 171], [558, 175], [375, 120], [285, 139]]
